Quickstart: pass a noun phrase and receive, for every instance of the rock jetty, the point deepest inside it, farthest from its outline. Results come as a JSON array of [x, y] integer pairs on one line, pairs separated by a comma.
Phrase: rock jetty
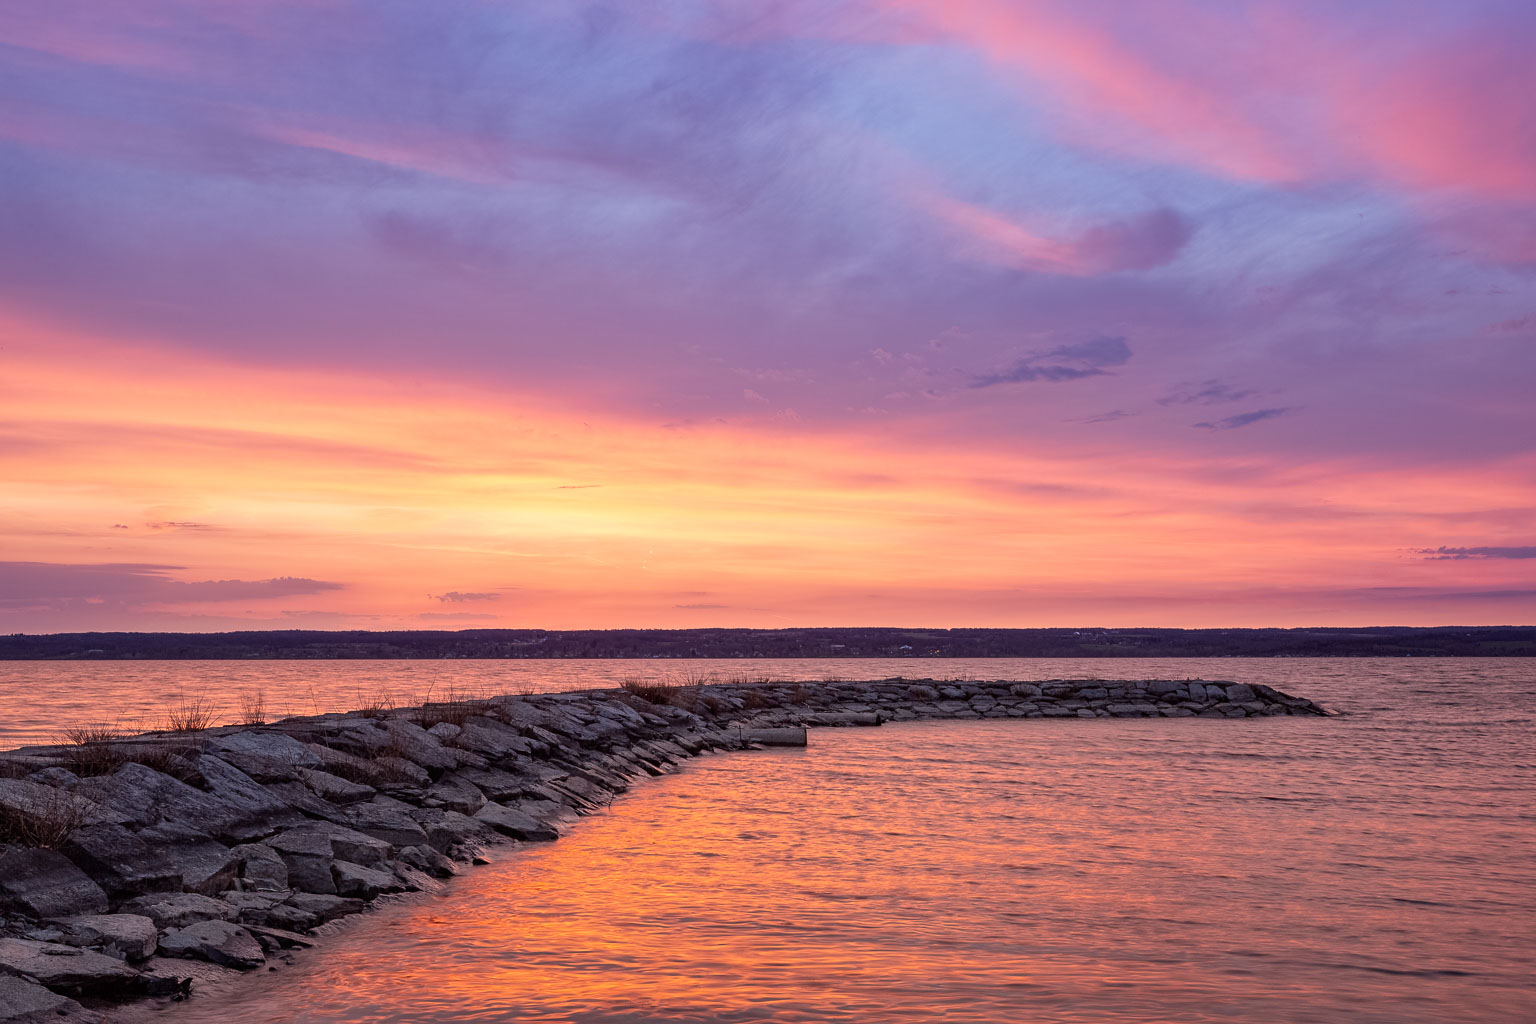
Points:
[[124, 860]]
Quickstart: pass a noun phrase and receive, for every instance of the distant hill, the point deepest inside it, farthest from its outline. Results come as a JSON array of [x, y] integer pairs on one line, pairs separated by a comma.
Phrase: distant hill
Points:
[[828, 642]]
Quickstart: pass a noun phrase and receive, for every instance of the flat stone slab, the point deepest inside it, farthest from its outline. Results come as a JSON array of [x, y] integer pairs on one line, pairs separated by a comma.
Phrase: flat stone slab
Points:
[[45, 883], [27, 1002], [264, 755], [123, 936], [67, 970], [510, 821], [219, 942], [179, 909]]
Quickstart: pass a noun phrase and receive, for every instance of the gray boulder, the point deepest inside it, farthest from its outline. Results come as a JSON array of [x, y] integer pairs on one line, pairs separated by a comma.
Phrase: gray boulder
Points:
[[308, 857], [362, 882], [179, 909], [388, 820], [398, 769], [26, 1002], [204, 866], [219, 942], [120, 862], [304, 910], [510, 821], [350, 844], [492, 738], [334, 788], [428, 861], [415, 744], [264, 756], [494, 783], [445, 829], [262, 867], [45, 883], [124, 936], [34, 800], [67, 970], [455, 794], [1239, 693], [147, 797], [261, 810]]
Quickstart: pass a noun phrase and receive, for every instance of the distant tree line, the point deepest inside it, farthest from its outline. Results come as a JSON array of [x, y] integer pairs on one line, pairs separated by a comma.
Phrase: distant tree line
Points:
[[829, 642]]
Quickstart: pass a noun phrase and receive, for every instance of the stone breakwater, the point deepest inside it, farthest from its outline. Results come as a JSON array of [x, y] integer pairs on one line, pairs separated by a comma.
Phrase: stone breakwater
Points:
[[129, 866]]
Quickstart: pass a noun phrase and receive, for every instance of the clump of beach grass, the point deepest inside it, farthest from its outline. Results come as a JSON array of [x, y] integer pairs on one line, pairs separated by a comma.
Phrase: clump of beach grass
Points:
[[91, 749], [253, 708], [190, 714], [46, 822]]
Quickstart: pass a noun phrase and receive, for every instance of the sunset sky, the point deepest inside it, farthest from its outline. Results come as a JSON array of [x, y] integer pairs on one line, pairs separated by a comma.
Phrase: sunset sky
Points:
[[362, 313]]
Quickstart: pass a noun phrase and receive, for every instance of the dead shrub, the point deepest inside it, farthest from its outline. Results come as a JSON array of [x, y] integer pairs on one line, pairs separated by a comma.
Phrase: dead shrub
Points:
[[46, 824], [91, 750], [175, 760], [656, 693], [190, 715], [253, 708]]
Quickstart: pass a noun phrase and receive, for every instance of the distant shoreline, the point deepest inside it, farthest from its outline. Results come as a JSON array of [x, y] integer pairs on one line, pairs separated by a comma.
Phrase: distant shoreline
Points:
[[749, 644]]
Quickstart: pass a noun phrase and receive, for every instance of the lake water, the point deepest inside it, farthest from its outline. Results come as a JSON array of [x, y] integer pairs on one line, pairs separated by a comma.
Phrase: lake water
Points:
[[1379, 866]]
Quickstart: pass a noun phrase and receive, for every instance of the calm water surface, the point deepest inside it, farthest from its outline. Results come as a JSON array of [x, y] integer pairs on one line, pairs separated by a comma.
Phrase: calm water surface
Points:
[[1375, 867]]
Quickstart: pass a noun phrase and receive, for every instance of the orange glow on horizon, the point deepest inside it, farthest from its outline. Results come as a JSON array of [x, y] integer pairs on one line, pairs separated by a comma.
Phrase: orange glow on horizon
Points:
[[438, 504]]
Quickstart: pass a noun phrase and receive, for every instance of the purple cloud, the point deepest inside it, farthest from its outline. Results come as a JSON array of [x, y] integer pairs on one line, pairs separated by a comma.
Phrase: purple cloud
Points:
[[40, 585], [1245, 419], [1445, 553], [1063, 363]]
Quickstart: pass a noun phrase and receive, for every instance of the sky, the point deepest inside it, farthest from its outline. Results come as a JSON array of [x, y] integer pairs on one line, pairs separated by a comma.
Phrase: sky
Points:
[[465, 313]]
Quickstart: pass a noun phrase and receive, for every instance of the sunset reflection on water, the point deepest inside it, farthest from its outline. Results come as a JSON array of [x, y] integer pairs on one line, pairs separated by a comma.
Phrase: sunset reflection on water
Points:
[[1372, 868]]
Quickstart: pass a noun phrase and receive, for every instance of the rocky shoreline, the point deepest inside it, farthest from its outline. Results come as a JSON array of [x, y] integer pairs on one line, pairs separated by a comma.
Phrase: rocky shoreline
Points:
[[130, 865]]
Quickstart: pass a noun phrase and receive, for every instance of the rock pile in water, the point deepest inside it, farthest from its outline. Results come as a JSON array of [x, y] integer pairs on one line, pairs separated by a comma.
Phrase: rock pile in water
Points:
[[122, 859]]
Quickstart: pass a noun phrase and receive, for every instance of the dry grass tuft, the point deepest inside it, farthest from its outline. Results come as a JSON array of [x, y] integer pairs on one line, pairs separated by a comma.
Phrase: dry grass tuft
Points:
[[46, 824], [456, 713], [655, 692], [91, 749], [193, 714], [253, 708]]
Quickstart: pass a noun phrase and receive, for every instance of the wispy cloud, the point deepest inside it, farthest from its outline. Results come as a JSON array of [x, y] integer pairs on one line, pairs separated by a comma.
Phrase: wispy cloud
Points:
[[1209, 392], [33, 585], [1244, 419], [1062, 363], [462, 597], [1458, 554]]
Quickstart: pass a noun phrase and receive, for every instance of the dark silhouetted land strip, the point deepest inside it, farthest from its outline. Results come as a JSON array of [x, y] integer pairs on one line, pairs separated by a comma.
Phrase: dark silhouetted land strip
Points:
[[829, 642]]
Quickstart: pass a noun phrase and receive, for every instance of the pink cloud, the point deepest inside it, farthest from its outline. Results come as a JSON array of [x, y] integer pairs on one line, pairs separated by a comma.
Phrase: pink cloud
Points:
[[1421, 108], [1137, 243]]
